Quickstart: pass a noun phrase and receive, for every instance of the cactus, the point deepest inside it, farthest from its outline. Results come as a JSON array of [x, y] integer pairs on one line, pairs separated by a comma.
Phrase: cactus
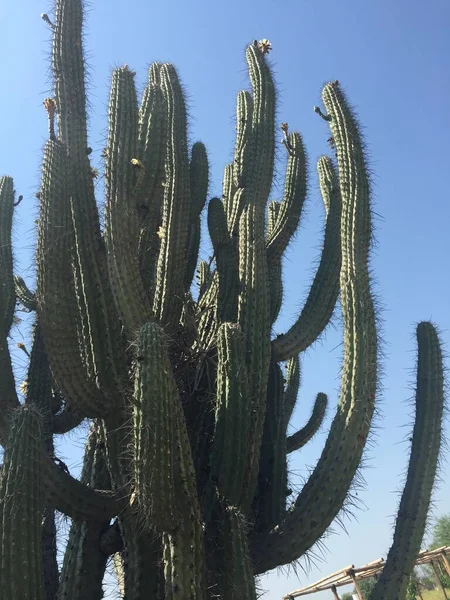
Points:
[[393, 583], [186, 396]]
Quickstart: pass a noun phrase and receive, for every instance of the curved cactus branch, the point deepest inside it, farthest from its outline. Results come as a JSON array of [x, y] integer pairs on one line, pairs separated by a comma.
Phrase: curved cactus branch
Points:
[[301, 437], [84, 562], [295, 188], [76, 500], [324, 291], [24, 295], [426, 442]]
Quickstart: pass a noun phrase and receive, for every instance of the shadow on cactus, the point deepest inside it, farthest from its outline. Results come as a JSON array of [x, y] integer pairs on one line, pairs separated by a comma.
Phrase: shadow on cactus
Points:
[[189, 399]]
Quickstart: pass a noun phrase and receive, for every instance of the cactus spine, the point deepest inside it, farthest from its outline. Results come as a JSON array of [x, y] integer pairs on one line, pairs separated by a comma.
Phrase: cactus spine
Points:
[[186, 397]]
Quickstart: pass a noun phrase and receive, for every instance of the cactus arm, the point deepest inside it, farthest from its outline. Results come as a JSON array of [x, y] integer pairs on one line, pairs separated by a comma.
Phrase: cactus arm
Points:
[[253, 300], [228, 189], [204, 278], [229, 453], [301, 437], [226, 262], [284, 218], [183, 550], [68, 419], [238, 581], [291, 389], [99, 326], [257, 172], [290, 211], [275, 266], [151, 151], [8, 395], [84, 562], [24, 295], [171, 265], [199, 179], [39, 388], [74, 499], [324, 291], [154, 430], [273, 210], [193, 250], [244, 114], [55, 294], [39, 380], [150, 143], [253, 317], [69, 75], [271, 496], [22, 506], [8, 295], [138, 564], [426, 441], [49, 553], [314, 508], [164, 452], [123, 178]]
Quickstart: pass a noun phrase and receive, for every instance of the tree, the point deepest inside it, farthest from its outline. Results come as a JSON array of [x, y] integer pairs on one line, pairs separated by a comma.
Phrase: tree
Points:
[[441, 532], [366, 586], [347, 596]]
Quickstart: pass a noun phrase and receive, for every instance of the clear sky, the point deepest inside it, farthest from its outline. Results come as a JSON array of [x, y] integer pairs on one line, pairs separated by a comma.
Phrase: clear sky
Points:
[[393, 60]]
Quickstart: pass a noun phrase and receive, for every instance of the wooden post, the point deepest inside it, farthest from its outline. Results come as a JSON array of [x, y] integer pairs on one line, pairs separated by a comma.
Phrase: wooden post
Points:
[[351, 573], [445, 562], [335, 594], [436, 572]]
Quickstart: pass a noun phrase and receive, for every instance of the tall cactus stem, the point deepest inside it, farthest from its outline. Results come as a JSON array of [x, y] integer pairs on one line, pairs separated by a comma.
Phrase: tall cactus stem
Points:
[[426, 442], [22, 507]]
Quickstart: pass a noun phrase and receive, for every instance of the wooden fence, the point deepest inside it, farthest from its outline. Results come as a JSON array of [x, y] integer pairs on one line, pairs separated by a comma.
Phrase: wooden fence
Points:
[[349, 575]]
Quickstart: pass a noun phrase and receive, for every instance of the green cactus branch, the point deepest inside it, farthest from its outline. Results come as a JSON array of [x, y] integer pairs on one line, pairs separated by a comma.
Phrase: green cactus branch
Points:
[[8, 394], [24, 295], [84, 562], [291, 389], [22, 502], [155, 431], [176, 210], [301, 437], [426, 442], [55, 291], [289, 214], [324, 291], [123, 179]]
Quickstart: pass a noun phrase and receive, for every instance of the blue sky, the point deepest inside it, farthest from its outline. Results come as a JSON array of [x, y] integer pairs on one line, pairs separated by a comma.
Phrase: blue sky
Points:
[[391, 59]]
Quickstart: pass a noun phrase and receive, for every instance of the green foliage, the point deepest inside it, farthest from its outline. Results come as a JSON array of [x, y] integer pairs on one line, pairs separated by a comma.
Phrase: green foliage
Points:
[[366, 586], [347, 596], [441, 532], [188, 398], [411, 592]]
